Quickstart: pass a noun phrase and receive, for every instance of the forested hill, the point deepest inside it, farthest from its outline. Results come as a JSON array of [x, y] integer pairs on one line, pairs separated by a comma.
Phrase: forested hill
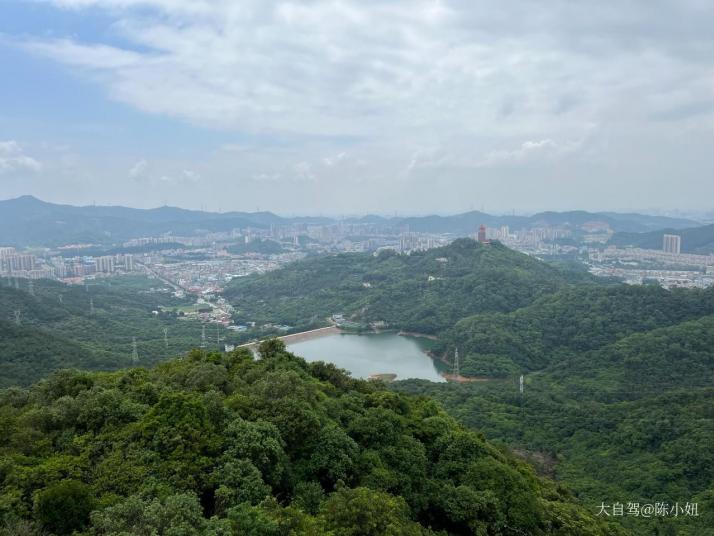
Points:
[[621, 407], [221, 444], [52, 326], [698, 240], [424, 291], [561, 326]]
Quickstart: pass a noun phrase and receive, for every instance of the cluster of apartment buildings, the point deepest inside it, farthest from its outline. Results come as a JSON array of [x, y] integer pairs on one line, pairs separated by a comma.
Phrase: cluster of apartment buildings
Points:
[[12, 261], [637, 265], [74, 267], [409, 242], [28, 266], [16, 264], [672, 258]]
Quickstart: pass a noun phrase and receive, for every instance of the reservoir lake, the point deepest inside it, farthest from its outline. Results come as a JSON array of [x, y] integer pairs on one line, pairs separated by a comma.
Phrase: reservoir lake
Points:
[[374, 353]]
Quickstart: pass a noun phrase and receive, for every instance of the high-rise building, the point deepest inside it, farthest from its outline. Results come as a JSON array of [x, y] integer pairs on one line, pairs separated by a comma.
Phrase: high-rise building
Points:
[[482, 234], [16, 263], [6, 252], [672, 244], [105, 264]]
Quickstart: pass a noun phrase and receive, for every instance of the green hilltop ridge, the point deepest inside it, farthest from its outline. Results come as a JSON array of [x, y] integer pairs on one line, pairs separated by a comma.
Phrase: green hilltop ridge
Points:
[[424, 292], [563, 325], [220, 444]]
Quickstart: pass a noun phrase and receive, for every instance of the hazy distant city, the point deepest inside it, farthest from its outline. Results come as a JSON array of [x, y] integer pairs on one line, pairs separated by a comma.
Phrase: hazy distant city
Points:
[[202, 262]]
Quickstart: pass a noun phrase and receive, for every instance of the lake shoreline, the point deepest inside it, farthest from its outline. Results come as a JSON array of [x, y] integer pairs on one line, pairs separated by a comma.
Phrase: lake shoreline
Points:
[[385, 356], [417, 335]]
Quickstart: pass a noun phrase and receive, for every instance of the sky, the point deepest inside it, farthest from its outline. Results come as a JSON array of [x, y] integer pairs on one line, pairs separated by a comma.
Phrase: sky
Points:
[[359, 106]]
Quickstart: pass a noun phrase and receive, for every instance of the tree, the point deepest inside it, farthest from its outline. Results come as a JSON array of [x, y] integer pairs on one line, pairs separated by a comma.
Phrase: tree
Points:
[[271, 348], [64, 507], [238, 482], [365, 512], [332, 458], [309, 497], [176, 515]]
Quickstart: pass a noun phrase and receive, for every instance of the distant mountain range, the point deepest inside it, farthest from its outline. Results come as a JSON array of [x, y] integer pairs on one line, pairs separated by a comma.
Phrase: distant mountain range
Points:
[[27, 220], [694, 240], [30, 221], [469, 221]]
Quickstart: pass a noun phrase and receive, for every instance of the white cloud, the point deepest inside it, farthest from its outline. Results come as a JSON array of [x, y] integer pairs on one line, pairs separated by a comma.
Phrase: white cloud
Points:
[[430, 158], [234, 148], [98, 57], [395, 68], [344, 160], [327, 94], [139, 169], [185, 176], [302, 171], [331, 161], [545, 149], [142, 171], [13, 159], [266, 177], [188, 175]]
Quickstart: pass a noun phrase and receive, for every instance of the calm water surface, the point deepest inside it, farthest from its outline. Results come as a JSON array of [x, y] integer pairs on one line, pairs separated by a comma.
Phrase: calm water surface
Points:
[[362, 355]]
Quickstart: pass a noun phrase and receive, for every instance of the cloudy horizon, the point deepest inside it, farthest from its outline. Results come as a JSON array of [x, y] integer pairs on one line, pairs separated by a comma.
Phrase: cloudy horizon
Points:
[[348, 107]]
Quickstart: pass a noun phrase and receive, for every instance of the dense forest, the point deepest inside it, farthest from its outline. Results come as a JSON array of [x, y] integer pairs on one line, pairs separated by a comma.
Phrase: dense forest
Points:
[[222, 444], [52, 326], [425, 292], [619, 392], [565, 324]]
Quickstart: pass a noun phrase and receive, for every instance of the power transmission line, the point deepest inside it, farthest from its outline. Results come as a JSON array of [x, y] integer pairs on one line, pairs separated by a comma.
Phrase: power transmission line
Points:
[[203, 336], [134, 351], [457, 368], [218, 336]]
